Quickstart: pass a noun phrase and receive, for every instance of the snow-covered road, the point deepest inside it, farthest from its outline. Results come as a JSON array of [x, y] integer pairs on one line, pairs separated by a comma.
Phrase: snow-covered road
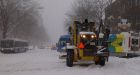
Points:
[[46, 62]]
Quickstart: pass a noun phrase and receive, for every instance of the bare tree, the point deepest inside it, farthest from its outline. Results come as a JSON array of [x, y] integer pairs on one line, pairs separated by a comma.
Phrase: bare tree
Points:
[[81, 10], [12, 14], [84, 9], [21, 19], [100, 5], [94, 10], [109, 2]]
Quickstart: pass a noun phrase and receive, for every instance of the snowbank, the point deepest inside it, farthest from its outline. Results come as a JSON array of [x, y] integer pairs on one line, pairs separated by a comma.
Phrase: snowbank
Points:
[[46, 62]]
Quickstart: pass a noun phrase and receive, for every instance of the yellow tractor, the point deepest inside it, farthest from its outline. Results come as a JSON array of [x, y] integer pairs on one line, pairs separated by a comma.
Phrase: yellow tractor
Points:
[[87, 44]]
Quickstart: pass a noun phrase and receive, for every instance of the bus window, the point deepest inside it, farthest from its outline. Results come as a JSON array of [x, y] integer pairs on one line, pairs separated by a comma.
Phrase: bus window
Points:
[[62, 42], [6, 43], [135, 41]]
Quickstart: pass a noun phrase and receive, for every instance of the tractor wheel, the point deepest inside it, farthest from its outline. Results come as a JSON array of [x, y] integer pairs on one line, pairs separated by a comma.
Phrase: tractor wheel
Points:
[[102, 61], [69, 59], [96, 60]]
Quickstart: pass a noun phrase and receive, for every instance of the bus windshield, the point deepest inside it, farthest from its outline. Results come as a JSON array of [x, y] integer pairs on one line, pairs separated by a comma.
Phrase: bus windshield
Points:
[[135, 41], [63, 41], [6, 43]]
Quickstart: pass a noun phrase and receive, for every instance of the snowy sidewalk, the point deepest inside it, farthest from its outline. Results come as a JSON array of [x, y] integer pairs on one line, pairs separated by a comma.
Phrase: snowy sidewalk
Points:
[[46, 62]]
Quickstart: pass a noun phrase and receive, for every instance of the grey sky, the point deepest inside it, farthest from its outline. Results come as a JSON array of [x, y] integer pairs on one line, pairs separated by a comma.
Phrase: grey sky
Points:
[[54, 15]]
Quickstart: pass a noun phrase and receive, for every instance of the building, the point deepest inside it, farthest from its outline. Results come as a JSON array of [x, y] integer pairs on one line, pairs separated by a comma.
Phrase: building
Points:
[[123, 9]]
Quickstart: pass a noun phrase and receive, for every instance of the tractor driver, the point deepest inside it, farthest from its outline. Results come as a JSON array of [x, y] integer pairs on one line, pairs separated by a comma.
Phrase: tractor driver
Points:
[[85, 26]]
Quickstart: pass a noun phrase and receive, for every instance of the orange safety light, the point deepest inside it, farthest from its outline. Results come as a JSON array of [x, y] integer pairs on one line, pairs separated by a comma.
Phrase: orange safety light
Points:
[[81, 45]]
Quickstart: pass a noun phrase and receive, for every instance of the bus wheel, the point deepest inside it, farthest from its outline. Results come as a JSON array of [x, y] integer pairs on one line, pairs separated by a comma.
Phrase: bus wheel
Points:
[[102, 61], [69, 59], [25, 50], [16, 50]]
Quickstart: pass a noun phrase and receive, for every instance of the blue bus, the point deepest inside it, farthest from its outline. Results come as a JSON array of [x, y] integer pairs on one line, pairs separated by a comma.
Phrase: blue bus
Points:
[[62, 43]]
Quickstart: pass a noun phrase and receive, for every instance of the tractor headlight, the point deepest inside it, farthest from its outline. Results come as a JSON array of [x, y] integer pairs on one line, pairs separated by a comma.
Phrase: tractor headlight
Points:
[[93, 36], [83, 36]]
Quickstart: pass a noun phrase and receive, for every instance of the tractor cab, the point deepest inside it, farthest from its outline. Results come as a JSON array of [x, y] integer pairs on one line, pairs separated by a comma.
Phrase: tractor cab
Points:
[[88, 39], [87, 45]]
